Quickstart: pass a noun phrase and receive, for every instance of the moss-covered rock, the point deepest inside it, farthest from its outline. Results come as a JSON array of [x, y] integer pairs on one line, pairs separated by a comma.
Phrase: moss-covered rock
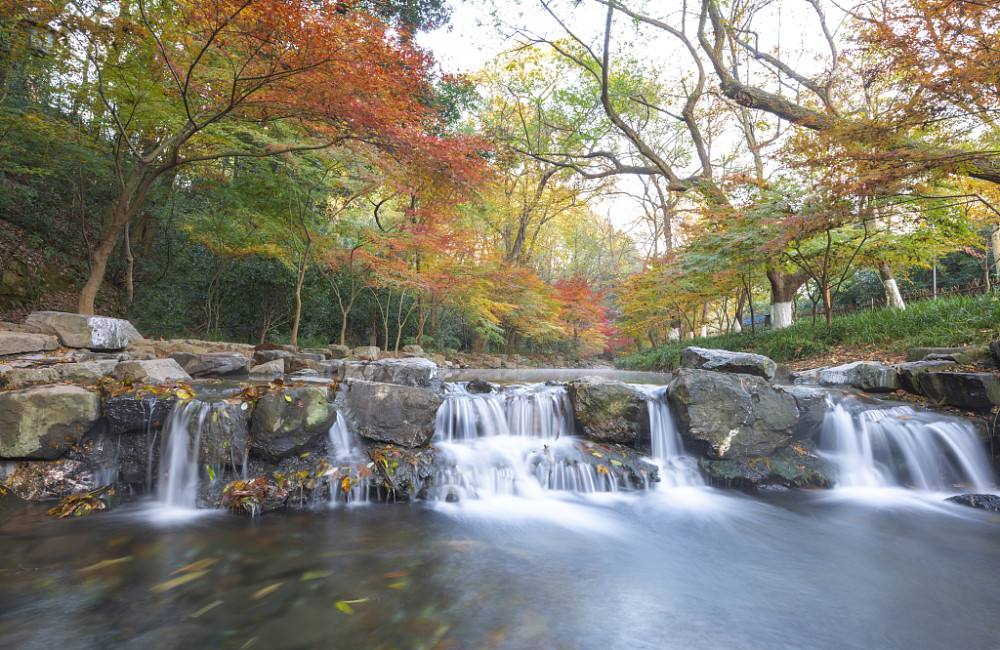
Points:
[[796, 466], [609, 411], [290, 422]]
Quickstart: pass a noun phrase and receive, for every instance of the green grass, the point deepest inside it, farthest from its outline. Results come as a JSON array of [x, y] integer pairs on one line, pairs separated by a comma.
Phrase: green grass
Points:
[[960, 320]]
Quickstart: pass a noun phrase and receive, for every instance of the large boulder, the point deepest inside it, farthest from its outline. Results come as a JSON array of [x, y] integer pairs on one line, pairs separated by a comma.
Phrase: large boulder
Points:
[[90, 332], [290, 422], [151, 371], [967, 354], [988, 502], [870, 376], [911, 373], [136, 413], [795, 467], [732, 415], [269, 370], [221, 428], [812, 404], [726, 361], [338, 351], [976, 391], [413, 371], [43, 422], [12, 343], [609, 411], [212, 364], [403, 415], [413, 351], [267, 356], [78, 372], [366, 353]]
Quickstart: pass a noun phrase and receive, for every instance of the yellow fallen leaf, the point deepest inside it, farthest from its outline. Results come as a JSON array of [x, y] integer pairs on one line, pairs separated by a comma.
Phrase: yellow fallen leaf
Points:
[[316, 575], [199, 565], [345, 605], [270, 589], [288, 398], [207, 608], [177, 582], [103, 564]]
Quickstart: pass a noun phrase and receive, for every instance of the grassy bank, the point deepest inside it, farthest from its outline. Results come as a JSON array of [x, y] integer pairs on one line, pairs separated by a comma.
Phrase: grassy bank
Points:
[[959, 320]]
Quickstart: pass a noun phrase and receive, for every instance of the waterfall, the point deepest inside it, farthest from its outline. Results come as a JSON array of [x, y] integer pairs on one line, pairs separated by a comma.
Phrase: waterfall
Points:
[[343, 443], [513, 442], [178, 478], [901, 446], [677, 469]]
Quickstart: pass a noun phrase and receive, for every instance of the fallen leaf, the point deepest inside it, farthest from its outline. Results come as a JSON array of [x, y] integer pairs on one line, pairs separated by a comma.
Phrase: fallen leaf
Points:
[[266, 591], [345, 605], [316, 575], [177, 582], [199, 565], [207, 608], [103, 564]]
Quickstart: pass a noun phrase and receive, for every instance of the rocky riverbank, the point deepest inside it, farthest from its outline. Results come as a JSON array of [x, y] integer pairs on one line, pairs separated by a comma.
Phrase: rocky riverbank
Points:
[[89, 409]]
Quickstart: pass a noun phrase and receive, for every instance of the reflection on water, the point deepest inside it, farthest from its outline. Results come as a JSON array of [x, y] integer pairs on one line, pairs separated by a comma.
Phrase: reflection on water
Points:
[[682, 568]]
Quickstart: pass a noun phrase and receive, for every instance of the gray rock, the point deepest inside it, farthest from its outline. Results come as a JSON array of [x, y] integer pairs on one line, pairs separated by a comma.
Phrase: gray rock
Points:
[[976, 391], [609, 411], [79, 372], [322, 353], [479, 386], [919, 354], [995, 352], [266, 356], [269, 370], [413, 351], [290, 422], [338, 351], [726, 361], [366, 352], [732, 415], [37, 480], [403, 415], [222, 430], [967, 354], [912, 372], [869, 376], [212, 364], [307, 362], [43, 422], [23, 377], [153, 371], [988, 502], [12, 343], [812, 405], [91, 332], [135, 413], [793, 467], [805, 377], [414, 371]]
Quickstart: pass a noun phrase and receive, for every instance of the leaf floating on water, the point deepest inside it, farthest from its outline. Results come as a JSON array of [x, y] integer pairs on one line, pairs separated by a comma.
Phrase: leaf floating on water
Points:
[[199, 565], [207, 608], [395, 574], [177, 582], [250, 642], [597, 454], [288, 398], [103, 564], [616, 463], [316, 575], [266, 591], [345, 605], [400, 584]]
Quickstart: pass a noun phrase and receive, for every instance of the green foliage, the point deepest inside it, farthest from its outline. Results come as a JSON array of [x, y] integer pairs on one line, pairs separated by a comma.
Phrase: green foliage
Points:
[[947, 322]]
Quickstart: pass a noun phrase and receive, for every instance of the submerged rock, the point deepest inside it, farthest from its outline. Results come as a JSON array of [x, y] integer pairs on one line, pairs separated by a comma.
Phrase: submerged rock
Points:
[[732, 415], [609, 411], [43, 422], [865, 375], [403, 415], [794, 467], [976, 391], [726, 361], [81, 331], [289, 423], [988, 502]]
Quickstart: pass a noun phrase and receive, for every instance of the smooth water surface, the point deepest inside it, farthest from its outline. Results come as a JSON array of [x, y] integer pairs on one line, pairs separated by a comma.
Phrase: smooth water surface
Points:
[[530, 375], [675, 568]]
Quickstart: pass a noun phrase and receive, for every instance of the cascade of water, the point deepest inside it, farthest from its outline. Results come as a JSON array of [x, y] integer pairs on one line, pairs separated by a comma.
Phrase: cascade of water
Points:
[[178, 478], [901, 446], [677, 469], [535, 411], [342, 441]]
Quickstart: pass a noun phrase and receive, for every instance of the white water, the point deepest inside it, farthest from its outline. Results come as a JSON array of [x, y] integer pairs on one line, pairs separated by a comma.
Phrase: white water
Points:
[[177, 488], [343, 442], [901, 447], [677, 469]]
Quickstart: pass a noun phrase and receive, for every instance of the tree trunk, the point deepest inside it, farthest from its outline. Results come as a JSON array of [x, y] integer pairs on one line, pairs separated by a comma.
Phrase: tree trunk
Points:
[[995, 245], [299, 281], [893, 297], [129, 268], [784, 286]]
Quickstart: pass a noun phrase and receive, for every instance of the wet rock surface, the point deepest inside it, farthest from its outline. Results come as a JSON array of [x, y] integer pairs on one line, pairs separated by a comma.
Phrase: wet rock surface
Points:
[[212, 364], [988, 502], [136, 412], [731, 415], [864, 375], [415, 371], [43, 422], [403, 415], [609, 411], [290, 422], [726, 361], [911, 373], [976, 391], [797, 466]]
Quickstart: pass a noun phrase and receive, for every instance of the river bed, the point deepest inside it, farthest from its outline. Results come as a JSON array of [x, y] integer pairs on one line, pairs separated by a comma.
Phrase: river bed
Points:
[[674, 568]]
